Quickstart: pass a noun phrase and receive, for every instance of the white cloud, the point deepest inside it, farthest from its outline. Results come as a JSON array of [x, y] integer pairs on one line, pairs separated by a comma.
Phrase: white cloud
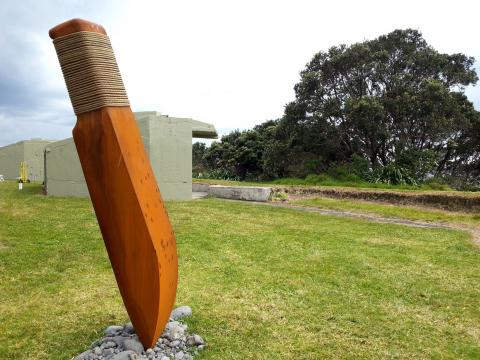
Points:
[[231, 65]]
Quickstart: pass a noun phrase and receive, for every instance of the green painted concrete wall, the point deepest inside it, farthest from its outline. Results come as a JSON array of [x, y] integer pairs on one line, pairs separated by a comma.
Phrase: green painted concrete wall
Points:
[[170, 152], [30, 151], [64, 173], [34, 154], [10, 158]]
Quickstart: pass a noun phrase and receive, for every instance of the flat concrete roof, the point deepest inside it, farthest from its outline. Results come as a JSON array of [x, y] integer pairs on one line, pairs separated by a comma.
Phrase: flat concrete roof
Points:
[[29, 141], [203, 130], [57, 143], [200, 129]]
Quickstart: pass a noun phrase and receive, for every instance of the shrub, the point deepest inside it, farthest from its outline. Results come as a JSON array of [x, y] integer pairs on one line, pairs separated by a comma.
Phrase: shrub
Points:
[[219, 174], [392, 174]]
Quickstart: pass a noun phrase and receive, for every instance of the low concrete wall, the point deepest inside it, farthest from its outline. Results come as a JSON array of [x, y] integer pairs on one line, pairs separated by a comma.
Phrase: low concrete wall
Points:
[[200, 187], [248, 193]]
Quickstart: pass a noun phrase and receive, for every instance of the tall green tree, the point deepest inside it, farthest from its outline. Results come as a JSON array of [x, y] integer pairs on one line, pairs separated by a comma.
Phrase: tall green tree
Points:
[[387, 96], [240, 153], [393, 101], [199, 165]]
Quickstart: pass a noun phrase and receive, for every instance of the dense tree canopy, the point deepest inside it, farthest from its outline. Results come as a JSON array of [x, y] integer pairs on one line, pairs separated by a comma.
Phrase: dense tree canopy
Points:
[[393, 101]]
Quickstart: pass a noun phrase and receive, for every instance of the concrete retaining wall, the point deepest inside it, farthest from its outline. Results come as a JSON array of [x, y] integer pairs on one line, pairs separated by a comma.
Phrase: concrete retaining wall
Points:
[[248, 193], [200, 187]]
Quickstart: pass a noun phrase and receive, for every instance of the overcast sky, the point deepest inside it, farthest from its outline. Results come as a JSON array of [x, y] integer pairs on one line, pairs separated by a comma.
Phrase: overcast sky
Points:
[[229, 63]]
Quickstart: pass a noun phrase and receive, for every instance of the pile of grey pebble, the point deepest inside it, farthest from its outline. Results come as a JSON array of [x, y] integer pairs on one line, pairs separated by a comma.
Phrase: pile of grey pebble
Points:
[[121, 342]]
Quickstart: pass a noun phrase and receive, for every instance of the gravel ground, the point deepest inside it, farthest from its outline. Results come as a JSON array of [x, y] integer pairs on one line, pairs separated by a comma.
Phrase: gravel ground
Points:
[[121, 342]]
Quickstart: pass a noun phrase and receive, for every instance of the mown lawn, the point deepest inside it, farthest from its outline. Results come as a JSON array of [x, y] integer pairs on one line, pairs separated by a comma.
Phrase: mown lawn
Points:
[[392, 211], [263, 282]]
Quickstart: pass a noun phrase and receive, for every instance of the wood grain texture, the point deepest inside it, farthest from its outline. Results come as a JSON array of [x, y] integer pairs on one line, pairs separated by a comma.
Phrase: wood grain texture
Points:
[[134, 223]]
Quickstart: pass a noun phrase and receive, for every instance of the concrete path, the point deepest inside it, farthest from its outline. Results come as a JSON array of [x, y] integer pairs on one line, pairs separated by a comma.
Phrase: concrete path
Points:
[[369, 217], [198, 194], [475, 231], [356, 215]]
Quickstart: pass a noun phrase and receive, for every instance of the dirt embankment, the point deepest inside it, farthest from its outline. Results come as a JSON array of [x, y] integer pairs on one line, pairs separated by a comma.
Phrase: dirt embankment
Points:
[[441, 200]]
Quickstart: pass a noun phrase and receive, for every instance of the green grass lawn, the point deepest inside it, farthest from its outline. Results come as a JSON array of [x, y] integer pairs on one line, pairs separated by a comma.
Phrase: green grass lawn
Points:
[[263, 282], [392, 211]]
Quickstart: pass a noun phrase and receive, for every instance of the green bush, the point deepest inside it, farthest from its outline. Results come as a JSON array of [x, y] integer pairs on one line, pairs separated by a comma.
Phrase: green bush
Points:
[[392, 174], [437, 184], [219, 174], [418, 163]]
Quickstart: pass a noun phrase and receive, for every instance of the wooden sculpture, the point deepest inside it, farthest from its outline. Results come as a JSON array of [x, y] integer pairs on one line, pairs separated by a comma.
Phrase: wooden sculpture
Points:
[[127, 201]]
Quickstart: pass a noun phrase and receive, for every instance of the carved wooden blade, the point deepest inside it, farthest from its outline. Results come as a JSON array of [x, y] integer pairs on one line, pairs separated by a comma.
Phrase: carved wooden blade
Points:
[[129, 208]]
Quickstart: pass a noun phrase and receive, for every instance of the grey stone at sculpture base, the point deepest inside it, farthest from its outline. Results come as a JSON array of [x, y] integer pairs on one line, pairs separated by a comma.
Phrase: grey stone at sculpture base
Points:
[[121, 342], [181, 312]]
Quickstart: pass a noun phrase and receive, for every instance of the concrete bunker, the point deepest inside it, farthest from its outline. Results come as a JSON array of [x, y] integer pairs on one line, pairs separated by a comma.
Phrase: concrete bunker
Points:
[[31, 152], [168, 143]]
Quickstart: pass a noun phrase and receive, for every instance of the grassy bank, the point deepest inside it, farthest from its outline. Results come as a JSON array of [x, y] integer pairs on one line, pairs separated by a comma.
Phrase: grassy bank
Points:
[[331, 183], [263, 282]]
